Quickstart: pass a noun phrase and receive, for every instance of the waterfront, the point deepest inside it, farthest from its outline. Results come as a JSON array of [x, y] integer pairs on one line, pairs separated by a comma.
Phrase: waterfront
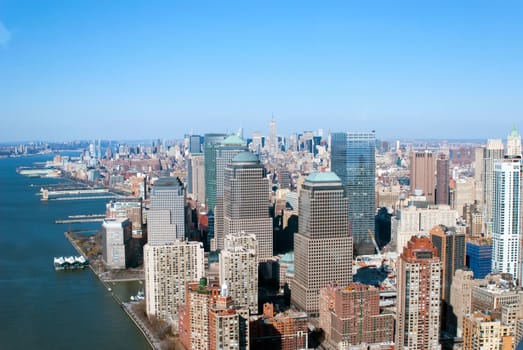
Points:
[[41, 308]]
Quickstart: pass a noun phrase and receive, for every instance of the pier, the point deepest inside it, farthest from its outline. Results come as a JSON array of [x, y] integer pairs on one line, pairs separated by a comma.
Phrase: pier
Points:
[[77, 219]]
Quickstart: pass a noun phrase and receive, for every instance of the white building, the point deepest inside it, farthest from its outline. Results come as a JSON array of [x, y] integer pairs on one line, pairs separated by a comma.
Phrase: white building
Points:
[[239, 269], [506, 217], [167, 268], [116, 235]]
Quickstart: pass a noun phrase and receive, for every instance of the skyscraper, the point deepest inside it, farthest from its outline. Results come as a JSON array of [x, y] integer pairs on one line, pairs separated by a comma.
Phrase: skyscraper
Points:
[[116, 235], [273, 139], [246, 202], [506, 246], [195, 144], [167, 268], [422, 174], [225, 152], [322, 246], [211, 142], [353, 160], [493, 153], [166, 216], [442, 179], [239, 269], [514, 144], [196, 177], [418, 303]]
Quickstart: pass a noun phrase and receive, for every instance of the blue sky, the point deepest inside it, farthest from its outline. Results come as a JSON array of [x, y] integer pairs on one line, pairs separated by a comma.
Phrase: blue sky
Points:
[[139, 70]]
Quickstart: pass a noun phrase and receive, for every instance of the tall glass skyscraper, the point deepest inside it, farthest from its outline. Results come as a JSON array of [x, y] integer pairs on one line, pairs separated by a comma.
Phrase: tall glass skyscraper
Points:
[[353, 160]]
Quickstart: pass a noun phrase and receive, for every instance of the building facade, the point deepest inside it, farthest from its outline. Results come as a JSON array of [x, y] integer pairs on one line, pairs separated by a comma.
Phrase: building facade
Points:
[[442, 179], [322, 246], [419, 293], [422, 174], [353, 160], [116, 235]]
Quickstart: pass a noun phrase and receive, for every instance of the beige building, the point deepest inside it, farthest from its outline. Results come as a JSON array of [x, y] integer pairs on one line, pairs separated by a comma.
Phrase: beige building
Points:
[[463, 194], [412, 221], [197, 177], [239, 269], [116, 236], [323, 246], [167, 268], [422, 174], [486, 332], [461, 297], [246, 202]]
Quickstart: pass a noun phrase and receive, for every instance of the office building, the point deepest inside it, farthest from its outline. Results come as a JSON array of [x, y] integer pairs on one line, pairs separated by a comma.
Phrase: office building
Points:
[[513, 144], [353, 160], [422, 174], [239, 269], [225, 152], [167, 269], [493, 154], [442, 179], [479, 257], [322, 246], [246, 202], [211, 143], [196, 177], [419, 292], [195, 144], [116, 236], [460, 300], [166, 216], [506, 245]]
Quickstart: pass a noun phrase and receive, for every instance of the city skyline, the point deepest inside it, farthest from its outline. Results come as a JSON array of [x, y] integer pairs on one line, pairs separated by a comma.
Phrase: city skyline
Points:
[[114, 70]]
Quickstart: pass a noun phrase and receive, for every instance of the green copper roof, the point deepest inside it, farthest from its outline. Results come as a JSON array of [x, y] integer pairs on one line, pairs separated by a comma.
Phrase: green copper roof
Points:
[[234, 140], [288, 258], [245, 157], [323, 177], [514, 132]]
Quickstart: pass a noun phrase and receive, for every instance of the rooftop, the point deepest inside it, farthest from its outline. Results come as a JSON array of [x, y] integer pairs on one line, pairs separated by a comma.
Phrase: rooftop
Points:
[[323, 177], [234, 140], [245, 157]]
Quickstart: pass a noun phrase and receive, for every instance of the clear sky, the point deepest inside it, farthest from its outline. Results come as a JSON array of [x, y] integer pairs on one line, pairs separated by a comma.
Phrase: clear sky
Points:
[[72, 69]]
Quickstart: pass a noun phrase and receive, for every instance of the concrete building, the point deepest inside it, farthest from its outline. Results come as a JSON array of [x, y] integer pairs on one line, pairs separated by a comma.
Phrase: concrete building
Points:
[[116, 236], [442, 179], [464, 194], [487, 332], [196, 164], [412, 221], [350, 316], [322, 246], [285, 331], [493, 153], [353, 159], [506, 224], [460, 299], [513, 144], [225, 152], [167, 268], [246, 202], [419, 292], [166, 216], [239, 269], [422, 174]]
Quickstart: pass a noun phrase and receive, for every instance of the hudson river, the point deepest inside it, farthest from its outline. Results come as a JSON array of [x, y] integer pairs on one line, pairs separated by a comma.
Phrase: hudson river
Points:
[[41, 308]]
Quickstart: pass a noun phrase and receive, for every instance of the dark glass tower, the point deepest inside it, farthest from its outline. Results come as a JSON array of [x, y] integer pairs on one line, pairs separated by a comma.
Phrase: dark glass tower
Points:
[[353, 160]]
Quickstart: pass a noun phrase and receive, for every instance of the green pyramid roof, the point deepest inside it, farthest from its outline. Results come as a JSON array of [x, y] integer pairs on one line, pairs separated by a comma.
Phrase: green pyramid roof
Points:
[[234, 140], [323, 177], [245, 157]]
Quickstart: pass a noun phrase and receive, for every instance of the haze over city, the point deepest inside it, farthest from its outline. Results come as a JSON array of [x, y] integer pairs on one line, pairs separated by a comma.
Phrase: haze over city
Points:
[[136, 70]]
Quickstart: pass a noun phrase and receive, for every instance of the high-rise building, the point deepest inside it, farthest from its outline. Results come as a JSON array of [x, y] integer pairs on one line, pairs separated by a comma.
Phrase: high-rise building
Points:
[[450, 247], [273, 139], [479, 257], [479, 175], [514, 144], [442, 179], [196, 177], [413, 221], [351, 316], [493, 153], [211, 142], [506, 224], [116, 235], [167, 268], [166, 216], [239, 269], [195, 144], [353, 160], [246, 202], [418, 303], [225, 152], [422, 173], [322, 246]]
